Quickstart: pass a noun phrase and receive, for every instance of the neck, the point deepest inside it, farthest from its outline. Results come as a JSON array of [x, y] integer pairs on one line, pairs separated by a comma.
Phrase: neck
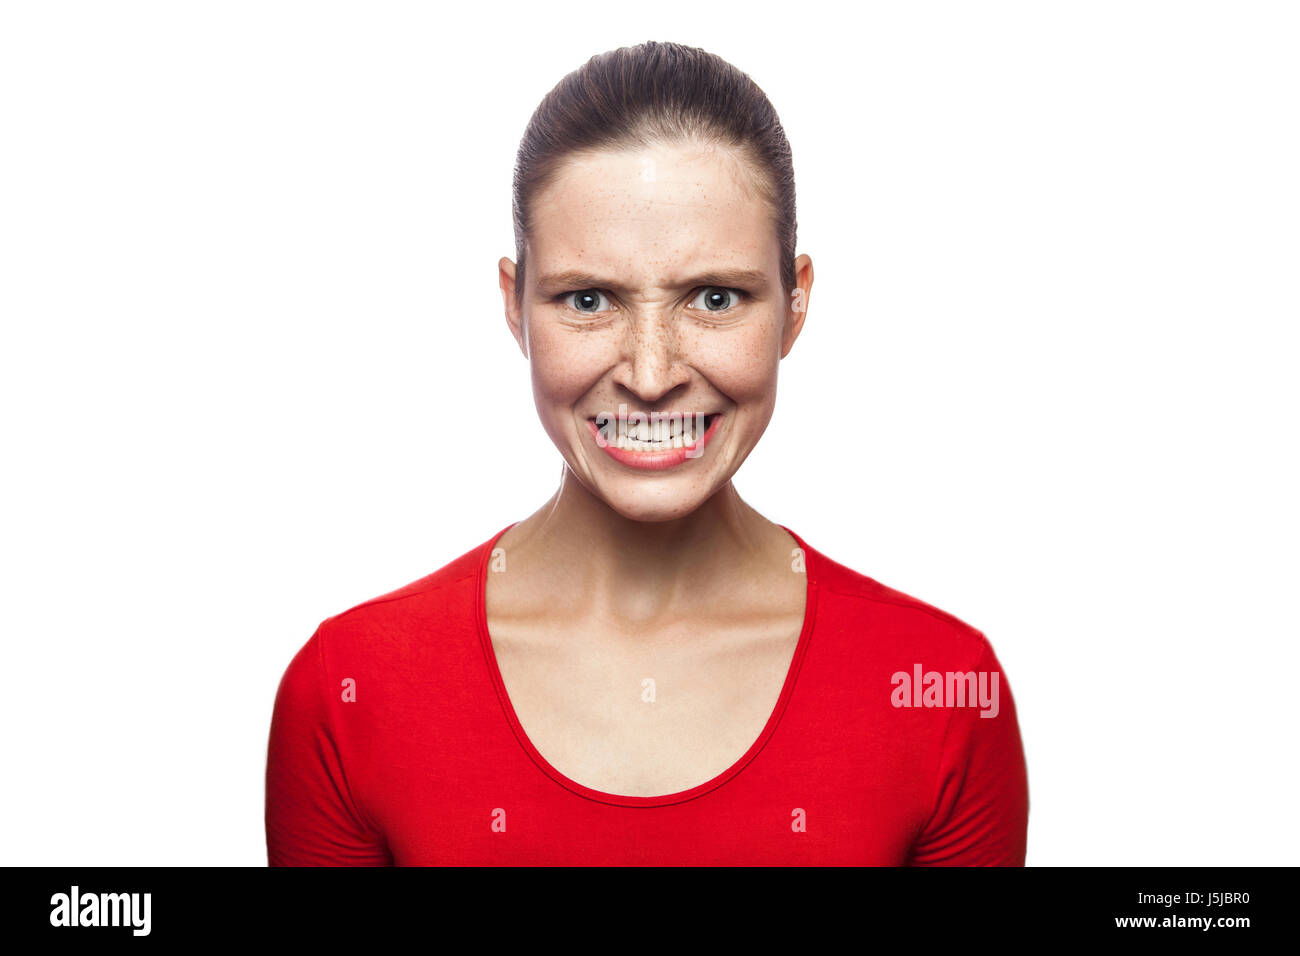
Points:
[[643, 567]]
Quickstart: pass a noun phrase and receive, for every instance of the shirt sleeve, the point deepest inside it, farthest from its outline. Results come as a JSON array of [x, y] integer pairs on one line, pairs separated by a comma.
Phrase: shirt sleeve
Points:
[[311, 819], [981, 803]]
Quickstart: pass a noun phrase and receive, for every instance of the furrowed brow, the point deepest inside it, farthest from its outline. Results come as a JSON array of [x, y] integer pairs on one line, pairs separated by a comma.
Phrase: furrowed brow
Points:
[[574, 280]]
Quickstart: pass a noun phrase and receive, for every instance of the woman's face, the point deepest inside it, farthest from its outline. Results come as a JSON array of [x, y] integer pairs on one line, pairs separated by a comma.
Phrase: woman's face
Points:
[[652, 300]]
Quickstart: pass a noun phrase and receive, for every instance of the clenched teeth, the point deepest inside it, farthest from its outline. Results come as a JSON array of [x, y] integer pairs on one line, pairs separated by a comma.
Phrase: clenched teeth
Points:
[[664, 433]]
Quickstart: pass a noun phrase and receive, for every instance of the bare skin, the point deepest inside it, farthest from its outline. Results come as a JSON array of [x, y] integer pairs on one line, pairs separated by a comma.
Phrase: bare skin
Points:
[[627, 574]]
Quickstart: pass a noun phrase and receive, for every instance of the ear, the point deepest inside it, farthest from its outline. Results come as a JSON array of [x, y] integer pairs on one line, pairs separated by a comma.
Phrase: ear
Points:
[[514, 315], [797, 307]]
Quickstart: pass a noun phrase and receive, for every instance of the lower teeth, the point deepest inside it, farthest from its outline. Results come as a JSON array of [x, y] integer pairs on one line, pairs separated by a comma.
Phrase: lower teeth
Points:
[[631, 444]]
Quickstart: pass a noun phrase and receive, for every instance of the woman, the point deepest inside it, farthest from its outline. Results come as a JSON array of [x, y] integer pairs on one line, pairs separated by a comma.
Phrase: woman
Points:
[[646, 670]]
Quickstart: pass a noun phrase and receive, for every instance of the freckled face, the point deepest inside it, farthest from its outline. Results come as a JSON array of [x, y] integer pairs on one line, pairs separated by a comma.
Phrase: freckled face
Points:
[[653, 281]]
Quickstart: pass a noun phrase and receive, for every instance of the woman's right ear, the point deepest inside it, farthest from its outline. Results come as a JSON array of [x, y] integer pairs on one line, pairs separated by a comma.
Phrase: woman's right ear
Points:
[[514, 316]]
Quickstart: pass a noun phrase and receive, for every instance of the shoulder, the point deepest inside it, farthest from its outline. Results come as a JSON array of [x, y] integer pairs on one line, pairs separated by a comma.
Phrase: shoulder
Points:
[[887, 620], [409, 619]]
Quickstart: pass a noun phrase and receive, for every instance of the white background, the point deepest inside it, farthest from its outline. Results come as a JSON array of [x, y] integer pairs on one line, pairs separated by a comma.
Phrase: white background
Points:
[[254, 371]]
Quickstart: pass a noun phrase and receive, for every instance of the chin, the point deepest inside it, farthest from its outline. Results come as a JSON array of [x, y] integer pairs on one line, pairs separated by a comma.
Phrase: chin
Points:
[[636, 504]]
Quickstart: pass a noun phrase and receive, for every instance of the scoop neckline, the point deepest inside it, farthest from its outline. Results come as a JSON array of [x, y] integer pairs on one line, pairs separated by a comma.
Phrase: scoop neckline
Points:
[[666, 799]]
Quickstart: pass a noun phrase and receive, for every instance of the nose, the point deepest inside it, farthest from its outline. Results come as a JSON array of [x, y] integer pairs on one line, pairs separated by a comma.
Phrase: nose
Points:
[[651, 364]]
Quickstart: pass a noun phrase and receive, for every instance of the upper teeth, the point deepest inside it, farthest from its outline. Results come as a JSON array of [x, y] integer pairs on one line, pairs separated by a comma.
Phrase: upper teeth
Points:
[[673, 430]]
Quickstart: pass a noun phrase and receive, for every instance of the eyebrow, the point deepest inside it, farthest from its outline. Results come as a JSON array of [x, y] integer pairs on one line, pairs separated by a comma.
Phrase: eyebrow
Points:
[[726, 277]]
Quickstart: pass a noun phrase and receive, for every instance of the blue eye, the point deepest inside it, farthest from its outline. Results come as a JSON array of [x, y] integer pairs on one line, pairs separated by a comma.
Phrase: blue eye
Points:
[[587, 300], [716, 299]]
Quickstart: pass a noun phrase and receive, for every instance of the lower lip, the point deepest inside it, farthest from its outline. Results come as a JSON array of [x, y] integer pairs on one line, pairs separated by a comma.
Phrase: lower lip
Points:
[[654, 460]]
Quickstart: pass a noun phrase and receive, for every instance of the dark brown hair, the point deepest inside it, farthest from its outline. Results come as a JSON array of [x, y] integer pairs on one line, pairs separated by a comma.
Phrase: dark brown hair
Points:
[[656, 92]]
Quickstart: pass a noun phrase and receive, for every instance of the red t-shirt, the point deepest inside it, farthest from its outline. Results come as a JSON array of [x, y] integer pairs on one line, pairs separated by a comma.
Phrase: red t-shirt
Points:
[[894, 741]]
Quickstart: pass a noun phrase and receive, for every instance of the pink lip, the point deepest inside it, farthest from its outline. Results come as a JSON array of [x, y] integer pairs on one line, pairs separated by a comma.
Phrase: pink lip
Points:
[[653, 460]]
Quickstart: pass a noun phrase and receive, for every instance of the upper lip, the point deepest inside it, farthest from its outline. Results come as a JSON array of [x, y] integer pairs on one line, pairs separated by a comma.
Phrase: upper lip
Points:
[[648, 415]]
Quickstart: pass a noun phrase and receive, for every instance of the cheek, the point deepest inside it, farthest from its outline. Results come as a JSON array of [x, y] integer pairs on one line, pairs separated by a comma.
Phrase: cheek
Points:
[[566, 365], [741, 363]]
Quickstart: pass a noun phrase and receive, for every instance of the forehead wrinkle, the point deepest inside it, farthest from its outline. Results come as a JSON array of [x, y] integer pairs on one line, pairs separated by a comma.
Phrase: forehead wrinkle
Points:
[[628, 264], [585, 227]]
